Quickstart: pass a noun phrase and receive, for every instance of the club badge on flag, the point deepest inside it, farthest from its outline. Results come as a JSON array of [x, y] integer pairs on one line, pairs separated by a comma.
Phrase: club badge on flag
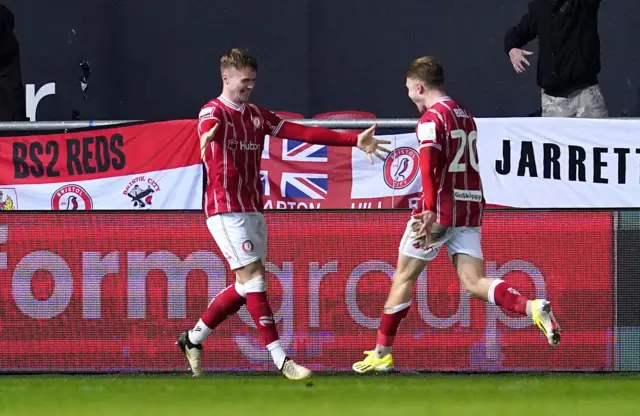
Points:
[[398, 175]]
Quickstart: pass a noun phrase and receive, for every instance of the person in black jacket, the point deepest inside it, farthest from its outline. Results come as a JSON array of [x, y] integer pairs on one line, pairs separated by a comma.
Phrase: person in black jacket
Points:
[[569, 61], [12, 94]]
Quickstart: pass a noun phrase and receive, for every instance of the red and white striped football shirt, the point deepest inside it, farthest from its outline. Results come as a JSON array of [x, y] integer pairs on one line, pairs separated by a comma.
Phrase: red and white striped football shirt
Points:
[[451, 182], [232, 160]]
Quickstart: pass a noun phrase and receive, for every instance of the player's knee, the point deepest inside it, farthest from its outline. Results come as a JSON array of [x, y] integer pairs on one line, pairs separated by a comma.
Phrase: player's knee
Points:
[[471, 272], [250, 271], [471, 282]]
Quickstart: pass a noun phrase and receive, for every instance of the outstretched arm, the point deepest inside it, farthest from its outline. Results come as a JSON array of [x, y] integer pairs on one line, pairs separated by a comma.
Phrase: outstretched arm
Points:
[[316, 135], [319, 135]]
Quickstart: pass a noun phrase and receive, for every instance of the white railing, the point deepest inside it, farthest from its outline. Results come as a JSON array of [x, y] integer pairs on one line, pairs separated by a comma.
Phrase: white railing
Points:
[[399, 123]]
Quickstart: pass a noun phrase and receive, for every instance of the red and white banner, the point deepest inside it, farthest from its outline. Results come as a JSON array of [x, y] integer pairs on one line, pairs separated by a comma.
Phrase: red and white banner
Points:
[[156, 166], [562, 163], [143, 166], [110, 292]]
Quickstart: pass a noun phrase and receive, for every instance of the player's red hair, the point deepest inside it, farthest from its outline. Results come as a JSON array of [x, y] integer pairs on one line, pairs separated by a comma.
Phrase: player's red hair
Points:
[[428, 70]]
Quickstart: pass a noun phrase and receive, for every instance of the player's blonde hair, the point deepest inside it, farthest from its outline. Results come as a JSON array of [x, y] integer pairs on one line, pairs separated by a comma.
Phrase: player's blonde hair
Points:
[[238, 58], [428, 70]]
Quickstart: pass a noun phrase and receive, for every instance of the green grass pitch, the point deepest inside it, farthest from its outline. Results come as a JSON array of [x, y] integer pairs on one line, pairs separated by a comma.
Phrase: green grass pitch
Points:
[[396, 394]]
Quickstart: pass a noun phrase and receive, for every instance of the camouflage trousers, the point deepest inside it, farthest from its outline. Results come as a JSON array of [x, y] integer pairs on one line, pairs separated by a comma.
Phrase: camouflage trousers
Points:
[[585, 103]]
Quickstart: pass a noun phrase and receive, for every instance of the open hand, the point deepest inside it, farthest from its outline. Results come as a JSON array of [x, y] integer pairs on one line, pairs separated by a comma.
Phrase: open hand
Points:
[[371, 146], [422, 225], [517, 57]]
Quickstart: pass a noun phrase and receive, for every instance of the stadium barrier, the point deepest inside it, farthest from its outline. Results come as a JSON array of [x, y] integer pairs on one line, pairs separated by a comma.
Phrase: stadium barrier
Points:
[[123, 284], [328, 123]]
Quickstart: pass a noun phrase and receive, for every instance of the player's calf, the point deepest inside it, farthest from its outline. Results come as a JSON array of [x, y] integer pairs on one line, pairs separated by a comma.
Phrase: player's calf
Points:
[[500, 293], [398, 302], [471, 273], [260, 310], [395, 310], [255, 288], [380, 359], [224, 304]]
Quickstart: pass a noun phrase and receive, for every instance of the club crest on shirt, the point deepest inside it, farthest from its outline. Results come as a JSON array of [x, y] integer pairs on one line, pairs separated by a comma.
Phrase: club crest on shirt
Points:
[[247, 246], [257, 122]]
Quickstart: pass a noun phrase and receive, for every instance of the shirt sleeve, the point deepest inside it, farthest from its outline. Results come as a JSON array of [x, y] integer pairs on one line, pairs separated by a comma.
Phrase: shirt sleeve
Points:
[[275, 126], [207, 119], [431, 139], [430, 134], [318, 135], [521, 34], [272, 122]]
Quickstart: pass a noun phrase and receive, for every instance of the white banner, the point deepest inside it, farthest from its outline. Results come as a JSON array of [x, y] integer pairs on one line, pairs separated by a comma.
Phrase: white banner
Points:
[[167, 189], [528, 163], [398, 175], [560, 162]]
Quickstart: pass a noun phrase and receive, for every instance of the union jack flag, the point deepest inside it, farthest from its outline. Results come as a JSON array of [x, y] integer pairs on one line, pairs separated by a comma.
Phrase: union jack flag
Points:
[[295, 151], [304, 185], [295, 171]]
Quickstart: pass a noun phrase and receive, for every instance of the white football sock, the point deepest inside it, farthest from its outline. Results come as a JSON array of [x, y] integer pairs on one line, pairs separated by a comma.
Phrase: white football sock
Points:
[[381, 351], [277, 353], [199, 333]]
